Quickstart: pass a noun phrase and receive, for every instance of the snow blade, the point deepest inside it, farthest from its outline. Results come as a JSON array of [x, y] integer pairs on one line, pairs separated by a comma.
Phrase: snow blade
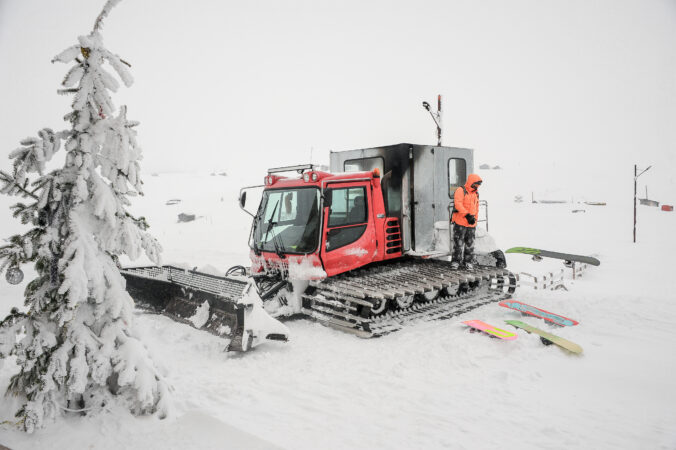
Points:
[[255, 325], [220, 305], [236, 344], [181, 295]]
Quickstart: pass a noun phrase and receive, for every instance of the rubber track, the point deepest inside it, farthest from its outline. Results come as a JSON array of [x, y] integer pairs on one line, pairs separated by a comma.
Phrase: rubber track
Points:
[[346, 301]]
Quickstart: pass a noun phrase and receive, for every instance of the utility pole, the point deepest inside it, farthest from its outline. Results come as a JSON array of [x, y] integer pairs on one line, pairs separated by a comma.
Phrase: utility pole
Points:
[[436, 117], [635, 178], [636, 175]]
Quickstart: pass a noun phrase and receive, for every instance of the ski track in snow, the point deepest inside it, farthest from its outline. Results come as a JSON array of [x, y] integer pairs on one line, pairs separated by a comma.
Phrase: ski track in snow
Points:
[[432, 385]]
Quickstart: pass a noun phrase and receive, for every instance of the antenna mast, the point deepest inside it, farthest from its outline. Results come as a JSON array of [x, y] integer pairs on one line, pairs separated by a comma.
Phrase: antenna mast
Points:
[[436, 117], [439, 119]]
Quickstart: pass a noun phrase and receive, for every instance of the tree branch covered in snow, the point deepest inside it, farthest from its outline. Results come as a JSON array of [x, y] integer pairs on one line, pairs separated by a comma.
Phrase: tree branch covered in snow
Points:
[[110, 4], [75, 344]]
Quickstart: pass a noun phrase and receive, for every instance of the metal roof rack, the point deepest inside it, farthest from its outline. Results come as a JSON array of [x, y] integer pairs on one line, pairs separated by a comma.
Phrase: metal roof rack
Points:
[[300, 168]]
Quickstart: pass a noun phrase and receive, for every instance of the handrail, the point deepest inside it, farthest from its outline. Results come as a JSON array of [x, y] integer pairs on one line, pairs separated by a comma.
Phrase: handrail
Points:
[[483, 203]]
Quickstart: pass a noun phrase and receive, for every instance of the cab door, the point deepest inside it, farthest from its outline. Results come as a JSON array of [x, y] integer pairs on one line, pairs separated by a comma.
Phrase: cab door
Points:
[[437, 171], [349, 239]]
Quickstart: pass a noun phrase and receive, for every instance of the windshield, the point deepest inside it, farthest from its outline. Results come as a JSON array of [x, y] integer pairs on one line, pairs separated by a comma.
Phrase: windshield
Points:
[[287, 221]]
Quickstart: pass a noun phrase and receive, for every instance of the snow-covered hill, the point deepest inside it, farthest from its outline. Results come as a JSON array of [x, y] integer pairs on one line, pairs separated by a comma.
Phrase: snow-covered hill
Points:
[[433, 385]]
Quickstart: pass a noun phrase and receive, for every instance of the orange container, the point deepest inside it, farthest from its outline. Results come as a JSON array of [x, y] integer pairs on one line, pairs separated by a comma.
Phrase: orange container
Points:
[[667, 207]]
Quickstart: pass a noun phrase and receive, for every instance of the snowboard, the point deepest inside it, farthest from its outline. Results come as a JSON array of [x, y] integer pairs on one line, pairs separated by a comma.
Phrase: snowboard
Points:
[[539, 313], [547, 337], [491, 330], [539, 253]]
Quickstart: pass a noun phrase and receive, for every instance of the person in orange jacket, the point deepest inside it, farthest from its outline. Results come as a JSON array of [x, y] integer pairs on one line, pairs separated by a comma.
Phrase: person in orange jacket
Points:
[[465, 214]]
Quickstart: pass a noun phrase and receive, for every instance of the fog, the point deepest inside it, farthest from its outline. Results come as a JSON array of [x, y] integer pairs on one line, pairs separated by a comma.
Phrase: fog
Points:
[[571, 94]]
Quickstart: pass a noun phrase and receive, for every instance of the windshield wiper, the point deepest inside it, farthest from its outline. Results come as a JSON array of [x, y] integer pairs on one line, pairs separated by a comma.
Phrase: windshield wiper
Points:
[[276, 238], [279, 245], [270, 224]]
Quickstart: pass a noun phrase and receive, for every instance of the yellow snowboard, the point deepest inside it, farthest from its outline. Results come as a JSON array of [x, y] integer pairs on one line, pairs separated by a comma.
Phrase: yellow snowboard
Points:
[[552, 338]]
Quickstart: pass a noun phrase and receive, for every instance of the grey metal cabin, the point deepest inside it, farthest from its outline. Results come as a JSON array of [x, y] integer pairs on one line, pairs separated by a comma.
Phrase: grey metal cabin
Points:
[[418, 182]]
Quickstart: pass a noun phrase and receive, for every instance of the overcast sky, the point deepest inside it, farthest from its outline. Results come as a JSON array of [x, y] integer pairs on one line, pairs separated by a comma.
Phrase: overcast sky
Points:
[[567, 92]]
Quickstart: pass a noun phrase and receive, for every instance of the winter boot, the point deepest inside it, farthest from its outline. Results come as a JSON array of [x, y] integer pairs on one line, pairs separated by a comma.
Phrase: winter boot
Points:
[[455, 265], [469, 266]]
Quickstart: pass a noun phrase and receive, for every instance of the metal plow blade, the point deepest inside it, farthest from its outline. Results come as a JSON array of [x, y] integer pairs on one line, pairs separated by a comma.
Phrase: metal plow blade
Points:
[[206, 302]]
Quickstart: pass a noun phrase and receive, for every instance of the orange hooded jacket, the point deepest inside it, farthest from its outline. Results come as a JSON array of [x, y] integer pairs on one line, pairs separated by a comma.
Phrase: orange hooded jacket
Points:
[[466, 203]]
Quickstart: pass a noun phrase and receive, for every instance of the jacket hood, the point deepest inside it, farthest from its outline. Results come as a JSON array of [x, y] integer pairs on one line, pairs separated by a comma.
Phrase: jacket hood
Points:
[[471, 179]]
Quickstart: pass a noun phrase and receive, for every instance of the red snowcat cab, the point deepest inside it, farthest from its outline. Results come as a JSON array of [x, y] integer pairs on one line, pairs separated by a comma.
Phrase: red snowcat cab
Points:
[[288, 236], [363, 248]]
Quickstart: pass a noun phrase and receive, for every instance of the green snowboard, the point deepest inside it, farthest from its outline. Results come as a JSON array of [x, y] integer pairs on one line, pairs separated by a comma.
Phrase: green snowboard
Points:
[[561, 342], [539, 253]]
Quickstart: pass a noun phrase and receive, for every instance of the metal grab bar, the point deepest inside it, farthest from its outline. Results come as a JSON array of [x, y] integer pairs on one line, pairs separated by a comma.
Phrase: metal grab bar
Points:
[[482, 203]]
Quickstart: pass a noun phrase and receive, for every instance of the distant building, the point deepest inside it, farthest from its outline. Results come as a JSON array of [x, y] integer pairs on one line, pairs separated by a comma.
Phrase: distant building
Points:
[[497, 167], [484, 167], [186, 217], [645, 201]]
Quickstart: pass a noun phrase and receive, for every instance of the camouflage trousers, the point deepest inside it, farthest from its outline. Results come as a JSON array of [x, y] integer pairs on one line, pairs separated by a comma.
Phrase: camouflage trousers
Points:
[[463, 239]]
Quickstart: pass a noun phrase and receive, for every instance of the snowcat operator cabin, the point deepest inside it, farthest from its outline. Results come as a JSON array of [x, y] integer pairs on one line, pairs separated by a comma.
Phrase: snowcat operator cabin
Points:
[[375, 204], [417, 184]]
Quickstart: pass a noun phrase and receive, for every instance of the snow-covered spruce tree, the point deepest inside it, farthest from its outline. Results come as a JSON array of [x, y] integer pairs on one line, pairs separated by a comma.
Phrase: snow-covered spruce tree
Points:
[[74, 344]]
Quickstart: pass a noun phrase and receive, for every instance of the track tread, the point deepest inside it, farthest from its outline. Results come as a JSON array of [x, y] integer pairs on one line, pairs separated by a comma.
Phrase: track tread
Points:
[[332, 307]]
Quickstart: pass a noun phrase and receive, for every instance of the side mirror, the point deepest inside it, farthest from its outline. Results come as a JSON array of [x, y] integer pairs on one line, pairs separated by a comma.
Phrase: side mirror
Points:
[[328, 198], [256, 196]]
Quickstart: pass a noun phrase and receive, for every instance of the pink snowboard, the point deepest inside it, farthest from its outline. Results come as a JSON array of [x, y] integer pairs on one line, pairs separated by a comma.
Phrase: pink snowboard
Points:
[[490, 329]]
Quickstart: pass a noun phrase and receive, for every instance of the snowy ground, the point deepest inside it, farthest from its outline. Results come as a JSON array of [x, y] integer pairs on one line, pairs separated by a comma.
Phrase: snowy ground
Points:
[[434, 385]]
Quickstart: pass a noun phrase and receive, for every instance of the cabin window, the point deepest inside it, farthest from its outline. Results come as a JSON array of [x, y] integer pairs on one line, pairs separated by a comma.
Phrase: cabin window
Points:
[[348, 206], [457, 174], [340, 237], [364, 164], [347, 216], [288, 221], [390, 182]]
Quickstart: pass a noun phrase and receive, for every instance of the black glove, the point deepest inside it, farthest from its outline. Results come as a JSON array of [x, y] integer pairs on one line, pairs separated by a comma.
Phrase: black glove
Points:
[[470, 219]]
